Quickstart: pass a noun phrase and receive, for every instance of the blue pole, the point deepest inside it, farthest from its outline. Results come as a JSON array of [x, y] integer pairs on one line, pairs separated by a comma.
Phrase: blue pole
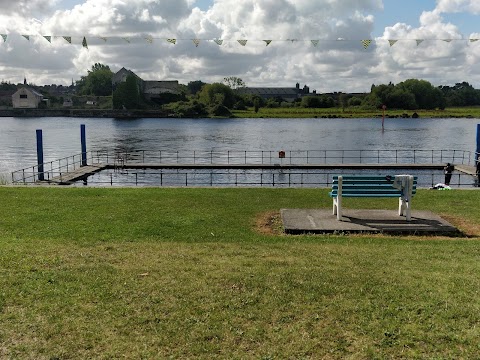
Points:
[[84, 145], [477, 153], [41, 175]]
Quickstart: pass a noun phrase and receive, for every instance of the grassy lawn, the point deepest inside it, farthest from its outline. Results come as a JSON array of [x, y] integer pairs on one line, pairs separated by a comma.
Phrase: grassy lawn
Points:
[[354, 113], [206, 273]]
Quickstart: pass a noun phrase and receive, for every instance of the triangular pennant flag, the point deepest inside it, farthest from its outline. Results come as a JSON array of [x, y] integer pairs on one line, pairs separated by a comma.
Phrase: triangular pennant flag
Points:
[[4, 36], [196, 42], [447, 40], [292, 40], [48, 38], [68, 39], [103, 38], [392, 42], [149, 39], [267, 42], [26, 37], [218, 41], [366, 43], [242, 42], [84, 43], [126, 39], [419, 41], [315, 42], [473, 40], [172, 41]]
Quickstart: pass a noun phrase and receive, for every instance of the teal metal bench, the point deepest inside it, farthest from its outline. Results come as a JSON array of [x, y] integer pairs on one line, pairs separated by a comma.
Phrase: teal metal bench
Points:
[[367, 186]]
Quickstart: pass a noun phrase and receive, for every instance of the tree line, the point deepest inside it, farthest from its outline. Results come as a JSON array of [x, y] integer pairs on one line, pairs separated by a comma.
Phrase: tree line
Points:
[[198, 98]]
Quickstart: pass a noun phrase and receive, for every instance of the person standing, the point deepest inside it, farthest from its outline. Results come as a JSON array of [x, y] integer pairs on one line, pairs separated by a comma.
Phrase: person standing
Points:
[[477, 172], [448, 173]]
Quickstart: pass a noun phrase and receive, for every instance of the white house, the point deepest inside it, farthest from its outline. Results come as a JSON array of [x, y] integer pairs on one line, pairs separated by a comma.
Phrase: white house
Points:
[[26, 98]]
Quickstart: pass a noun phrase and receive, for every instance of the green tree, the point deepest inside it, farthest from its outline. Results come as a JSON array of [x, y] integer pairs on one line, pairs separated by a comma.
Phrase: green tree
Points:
[[401, 99], [127, 94], [256, 104], [98, 82], [426, 95], [343, 100], [234, 82], [354, 101], [322, 101], [217, 94], [195, 86]]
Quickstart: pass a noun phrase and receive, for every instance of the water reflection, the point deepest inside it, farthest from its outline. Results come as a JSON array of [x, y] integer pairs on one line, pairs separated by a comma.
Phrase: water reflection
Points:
[[62, 135]]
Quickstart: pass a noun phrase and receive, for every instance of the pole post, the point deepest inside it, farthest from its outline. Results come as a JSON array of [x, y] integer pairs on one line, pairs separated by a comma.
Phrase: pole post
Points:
[[41, 175], [84, 145], [477, 153]]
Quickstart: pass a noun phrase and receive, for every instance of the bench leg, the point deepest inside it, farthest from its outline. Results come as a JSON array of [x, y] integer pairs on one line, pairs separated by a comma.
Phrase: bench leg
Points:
[[404, 208], [337, 207]]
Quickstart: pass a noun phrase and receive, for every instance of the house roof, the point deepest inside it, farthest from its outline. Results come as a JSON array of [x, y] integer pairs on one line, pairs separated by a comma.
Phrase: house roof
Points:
[[30, 90], [269, 91]]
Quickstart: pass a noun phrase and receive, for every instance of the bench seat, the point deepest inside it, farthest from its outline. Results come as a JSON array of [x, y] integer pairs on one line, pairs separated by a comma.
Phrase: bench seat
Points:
[[402, 187]]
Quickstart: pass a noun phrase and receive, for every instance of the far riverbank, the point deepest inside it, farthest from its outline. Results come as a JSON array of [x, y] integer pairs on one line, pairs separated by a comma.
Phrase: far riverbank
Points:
[[293, 112]]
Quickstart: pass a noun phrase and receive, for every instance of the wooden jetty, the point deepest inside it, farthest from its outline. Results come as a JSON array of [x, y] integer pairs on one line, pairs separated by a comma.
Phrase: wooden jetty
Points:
[[80, 173]]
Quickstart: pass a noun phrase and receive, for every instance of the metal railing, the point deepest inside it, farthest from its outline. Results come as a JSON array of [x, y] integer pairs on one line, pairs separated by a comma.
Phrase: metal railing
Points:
[[292, 157], [57, 168], [246, 178]]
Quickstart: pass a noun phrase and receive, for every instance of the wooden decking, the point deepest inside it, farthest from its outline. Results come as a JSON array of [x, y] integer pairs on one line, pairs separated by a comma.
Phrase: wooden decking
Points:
[[77, 174]]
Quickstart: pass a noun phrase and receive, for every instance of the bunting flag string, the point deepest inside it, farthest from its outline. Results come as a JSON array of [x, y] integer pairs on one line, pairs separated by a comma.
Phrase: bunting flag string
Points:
[[366, 43]]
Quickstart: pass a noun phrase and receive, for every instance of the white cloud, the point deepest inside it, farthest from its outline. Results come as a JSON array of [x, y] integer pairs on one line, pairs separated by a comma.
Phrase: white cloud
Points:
[[457, 6], [331, 66]]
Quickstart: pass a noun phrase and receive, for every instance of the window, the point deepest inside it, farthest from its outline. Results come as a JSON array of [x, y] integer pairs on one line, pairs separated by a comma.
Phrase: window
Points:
[[23, 96]]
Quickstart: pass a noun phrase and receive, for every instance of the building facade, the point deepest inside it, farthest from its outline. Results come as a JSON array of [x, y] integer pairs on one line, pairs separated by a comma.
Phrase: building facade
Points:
[[26, 98]]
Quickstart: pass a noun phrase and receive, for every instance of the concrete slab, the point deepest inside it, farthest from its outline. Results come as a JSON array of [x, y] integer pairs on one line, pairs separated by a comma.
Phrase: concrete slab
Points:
[[300, 221]]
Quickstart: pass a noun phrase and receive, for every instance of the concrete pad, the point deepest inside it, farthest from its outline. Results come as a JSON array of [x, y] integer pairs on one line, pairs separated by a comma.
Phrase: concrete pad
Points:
[[300, 221]]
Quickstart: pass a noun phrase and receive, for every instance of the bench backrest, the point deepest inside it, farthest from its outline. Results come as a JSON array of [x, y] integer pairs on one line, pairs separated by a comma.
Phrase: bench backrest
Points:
[[369, 186]]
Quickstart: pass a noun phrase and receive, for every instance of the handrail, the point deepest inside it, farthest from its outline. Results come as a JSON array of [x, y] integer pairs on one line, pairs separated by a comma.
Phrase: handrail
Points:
[[269, 178], [59, 167]]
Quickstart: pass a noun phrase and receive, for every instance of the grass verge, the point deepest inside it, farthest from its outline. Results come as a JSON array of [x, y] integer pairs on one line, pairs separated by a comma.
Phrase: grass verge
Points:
[[298, 112], [187, 273]]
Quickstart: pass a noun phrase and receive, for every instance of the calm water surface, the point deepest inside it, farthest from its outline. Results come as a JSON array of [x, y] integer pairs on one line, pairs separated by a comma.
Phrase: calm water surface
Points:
[[61, 136]]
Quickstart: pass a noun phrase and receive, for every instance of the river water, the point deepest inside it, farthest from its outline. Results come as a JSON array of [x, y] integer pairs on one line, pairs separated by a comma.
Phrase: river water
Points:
[[61, 136]]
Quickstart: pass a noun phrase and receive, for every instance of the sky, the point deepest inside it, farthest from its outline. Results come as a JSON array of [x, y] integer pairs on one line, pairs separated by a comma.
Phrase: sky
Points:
[[329, 45]]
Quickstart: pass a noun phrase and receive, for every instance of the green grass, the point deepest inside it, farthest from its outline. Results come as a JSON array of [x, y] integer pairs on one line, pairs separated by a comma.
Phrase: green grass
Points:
[[298, 112], [185, 273]]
